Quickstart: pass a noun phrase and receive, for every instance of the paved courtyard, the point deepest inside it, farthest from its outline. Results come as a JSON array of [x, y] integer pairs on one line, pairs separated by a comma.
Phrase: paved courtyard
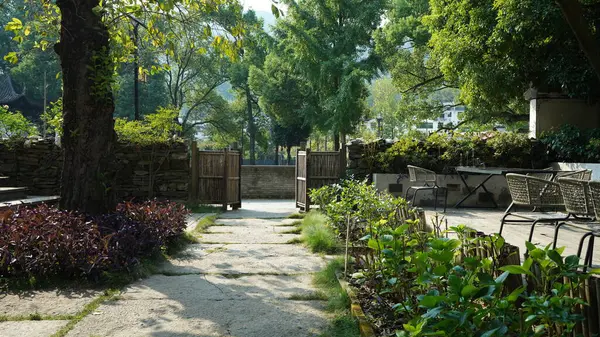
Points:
[[488, 221], [237, 281]]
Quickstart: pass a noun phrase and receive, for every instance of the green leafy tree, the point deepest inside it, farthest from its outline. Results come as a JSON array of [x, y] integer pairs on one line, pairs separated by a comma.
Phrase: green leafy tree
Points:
[[92, 40], [497, 50], [329, 44], [253, 53]]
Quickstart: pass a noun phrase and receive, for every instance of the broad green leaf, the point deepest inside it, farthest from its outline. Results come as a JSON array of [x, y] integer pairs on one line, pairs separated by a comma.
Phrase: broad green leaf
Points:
[[514, 295], [530, 246], [468, 290], [489, 333], [433, 313], [572, 260], [514, 269], [429, 301], [555, 256], [502, 277], [440, 270]]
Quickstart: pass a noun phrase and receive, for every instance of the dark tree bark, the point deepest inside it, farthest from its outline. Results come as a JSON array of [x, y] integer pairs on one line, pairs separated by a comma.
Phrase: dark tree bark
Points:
[[573, 14], [289, 155], [336, 141], [276, 154], [251, 126], [88, 127]]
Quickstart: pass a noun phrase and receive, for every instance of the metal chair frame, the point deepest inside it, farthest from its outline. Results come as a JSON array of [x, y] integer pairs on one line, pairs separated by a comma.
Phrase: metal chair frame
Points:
[[419, 174], [533, 192]]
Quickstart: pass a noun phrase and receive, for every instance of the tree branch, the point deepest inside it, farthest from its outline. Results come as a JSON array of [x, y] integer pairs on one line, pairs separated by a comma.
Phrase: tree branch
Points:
[[417, 86]]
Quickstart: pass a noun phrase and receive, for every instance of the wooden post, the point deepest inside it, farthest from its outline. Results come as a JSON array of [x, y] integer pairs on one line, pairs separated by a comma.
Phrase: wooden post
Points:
[[195, 169], [225, 179], [343, 161], [240, 180], [296, 177], [306, 186]]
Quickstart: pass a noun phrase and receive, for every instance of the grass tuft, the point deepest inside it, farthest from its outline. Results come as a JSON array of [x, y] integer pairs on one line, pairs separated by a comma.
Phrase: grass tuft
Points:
[[317, 235], [109, 295], [293, 231], [204, 223], [338, 302], [343, 325], [312, 296], [297, 216]]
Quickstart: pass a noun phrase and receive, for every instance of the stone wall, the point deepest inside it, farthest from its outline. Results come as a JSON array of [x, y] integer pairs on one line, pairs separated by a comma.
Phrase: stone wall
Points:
[[160, 171], [362, 156], [268, 182], [33, 164]]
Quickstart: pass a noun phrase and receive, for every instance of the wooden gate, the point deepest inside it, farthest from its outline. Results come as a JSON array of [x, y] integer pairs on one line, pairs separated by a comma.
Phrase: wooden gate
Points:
[[216, 177], [317, 169]]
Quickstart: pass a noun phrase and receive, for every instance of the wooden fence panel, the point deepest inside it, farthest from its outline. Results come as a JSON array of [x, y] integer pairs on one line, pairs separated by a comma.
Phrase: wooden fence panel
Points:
[[301, 179], [216, 177], [317, 169]]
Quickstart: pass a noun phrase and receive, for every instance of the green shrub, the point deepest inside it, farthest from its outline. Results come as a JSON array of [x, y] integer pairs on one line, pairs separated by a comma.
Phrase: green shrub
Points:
[[571, 144], [317, 234], [13, 125], [159, 127], [442, 152]]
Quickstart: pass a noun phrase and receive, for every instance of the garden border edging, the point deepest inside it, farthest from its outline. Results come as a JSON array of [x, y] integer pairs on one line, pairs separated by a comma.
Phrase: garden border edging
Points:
[[366, 330]]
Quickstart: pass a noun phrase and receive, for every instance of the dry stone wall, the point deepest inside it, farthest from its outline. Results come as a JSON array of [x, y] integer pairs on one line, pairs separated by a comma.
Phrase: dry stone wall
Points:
[[160, 171], [362, 156]]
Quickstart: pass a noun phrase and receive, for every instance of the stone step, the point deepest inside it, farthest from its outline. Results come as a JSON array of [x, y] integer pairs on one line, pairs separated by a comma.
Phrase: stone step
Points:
[[12, 193], [29, 201]]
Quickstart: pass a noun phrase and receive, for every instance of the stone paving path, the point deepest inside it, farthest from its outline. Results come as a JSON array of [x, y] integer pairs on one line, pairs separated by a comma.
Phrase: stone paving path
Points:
[[237, 282]]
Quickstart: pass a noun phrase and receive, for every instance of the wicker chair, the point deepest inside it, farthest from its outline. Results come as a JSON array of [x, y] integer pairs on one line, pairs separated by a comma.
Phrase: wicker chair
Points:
[[594, 190], [532, 192], [429, 180], [578, 203], [580, 174]]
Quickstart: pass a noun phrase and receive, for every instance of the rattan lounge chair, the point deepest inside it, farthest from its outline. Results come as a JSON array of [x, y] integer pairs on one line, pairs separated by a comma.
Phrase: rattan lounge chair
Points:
[[594, 189], [532, 192], [429, 179]]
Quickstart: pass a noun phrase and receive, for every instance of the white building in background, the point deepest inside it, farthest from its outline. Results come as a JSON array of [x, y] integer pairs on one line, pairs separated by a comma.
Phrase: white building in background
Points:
[[451, 115]]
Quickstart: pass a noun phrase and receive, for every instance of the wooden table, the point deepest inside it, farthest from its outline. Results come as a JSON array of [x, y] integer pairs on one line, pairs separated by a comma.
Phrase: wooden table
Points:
[[489, 172]]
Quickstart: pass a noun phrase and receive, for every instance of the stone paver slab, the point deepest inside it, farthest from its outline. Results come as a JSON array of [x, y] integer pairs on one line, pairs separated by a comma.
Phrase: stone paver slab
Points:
[[30, 328], [255, 222], [218, 288], [226, 234], [243, 259], [51, 302], [262, 209], [193, 316]]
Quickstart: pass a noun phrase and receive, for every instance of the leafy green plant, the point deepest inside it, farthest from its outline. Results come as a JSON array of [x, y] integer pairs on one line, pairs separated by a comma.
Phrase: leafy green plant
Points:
[[13, 125], [572, 144], [53, 118], [159, 127]]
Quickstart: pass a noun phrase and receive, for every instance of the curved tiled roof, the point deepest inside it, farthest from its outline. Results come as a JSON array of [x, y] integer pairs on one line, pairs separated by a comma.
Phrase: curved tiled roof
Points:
[[7, 91]]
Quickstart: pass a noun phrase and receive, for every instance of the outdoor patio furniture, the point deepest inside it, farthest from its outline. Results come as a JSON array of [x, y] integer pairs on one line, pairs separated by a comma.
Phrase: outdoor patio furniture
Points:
[[532, 192], [594, 189], [429, 180], [578, 204], [489, 172]]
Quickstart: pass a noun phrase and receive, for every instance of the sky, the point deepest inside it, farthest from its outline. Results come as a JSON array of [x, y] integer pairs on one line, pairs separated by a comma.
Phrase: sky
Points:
[[258, 5]]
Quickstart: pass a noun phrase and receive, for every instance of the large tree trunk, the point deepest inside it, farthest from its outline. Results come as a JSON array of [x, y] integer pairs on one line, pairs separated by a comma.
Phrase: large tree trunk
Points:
[[251, 127], [88, 126], [573, 14], [289, 155]]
